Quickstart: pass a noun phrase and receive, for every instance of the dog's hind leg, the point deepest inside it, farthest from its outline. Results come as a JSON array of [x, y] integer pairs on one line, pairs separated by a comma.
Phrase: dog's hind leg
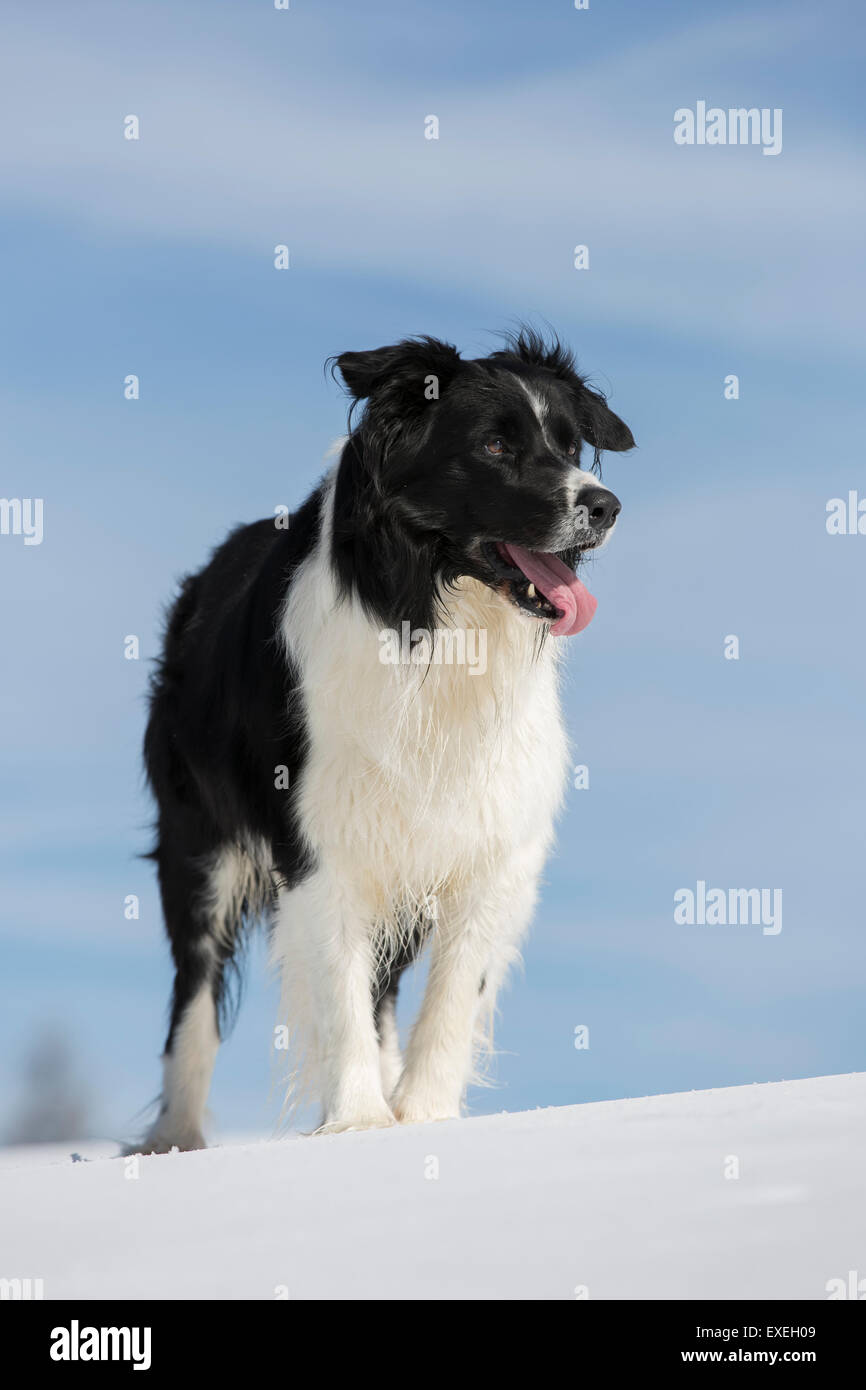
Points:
[[390, 1057], [187, 1066], [203, 902], [415, 928]]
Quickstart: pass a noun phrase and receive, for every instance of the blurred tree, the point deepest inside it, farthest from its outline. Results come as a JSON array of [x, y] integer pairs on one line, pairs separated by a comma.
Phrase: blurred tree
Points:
[[53, 1105]]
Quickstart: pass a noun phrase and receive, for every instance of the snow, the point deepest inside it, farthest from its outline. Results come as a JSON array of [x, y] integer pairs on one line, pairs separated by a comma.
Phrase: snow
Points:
[[622, 1199]]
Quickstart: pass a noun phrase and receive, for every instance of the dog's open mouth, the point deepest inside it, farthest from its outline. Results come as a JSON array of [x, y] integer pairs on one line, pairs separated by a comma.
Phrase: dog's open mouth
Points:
[[541, 584]]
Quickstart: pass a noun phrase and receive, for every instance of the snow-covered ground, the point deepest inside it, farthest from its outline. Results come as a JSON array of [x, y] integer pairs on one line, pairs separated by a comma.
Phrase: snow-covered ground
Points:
[[623, 1199]]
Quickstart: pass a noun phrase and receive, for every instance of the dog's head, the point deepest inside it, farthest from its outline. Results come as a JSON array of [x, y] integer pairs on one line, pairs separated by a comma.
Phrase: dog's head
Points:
[[481, 461]]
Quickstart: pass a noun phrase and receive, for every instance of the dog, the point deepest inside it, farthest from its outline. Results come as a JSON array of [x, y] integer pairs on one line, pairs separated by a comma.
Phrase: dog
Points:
[[322, 757]]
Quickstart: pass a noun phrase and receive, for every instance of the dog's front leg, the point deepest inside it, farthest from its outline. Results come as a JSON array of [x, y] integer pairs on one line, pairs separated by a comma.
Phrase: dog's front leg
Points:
[[472, 944], [324, 946], [440, 1051]]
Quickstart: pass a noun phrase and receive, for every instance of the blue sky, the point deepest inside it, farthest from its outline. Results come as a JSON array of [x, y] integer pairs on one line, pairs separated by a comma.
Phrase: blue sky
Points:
[[556, 129]]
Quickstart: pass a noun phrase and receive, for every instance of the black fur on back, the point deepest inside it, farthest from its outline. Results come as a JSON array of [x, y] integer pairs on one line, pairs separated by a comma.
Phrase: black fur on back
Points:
[[225, 714]]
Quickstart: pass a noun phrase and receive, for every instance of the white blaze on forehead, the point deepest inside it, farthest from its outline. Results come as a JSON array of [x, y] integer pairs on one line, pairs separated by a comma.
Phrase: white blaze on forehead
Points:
[[577, 479], [540, 406], [541, 410]]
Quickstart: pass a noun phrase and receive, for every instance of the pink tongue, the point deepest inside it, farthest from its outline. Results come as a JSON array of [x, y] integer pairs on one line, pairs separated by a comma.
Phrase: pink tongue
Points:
[[559, 585]]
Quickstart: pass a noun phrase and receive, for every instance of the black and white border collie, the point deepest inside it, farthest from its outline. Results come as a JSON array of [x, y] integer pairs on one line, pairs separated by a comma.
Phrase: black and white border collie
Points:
[[329, 751]]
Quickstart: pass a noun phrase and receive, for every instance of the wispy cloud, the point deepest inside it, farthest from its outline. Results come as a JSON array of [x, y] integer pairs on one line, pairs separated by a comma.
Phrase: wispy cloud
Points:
[[525, 168]]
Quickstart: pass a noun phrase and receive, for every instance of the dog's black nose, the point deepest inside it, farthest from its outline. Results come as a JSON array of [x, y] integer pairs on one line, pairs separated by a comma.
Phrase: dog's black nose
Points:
[[602, 507]]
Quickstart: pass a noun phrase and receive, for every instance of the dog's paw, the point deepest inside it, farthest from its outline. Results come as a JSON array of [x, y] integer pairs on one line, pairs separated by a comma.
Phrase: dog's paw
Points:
[[374, 1119], [413, 1110], [164, 1143]]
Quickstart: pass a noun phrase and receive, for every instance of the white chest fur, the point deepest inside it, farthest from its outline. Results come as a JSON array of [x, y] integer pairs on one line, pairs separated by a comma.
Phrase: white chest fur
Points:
[[423, 776]]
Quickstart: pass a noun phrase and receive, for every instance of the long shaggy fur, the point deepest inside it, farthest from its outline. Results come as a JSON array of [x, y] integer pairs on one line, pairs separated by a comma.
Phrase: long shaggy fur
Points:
[[368, 810]]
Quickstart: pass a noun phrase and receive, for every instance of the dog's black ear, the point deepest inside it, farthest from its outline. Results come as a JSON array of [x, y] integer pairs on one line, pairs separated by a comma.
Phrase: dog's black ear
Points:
[[600, 427], [412, 364]]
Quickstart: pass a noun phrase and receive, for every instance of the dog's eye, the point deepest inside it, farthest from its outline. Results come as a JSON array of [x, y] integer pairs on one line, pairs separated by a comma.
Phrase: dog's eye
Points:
[[494, 446], [572, 449]]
